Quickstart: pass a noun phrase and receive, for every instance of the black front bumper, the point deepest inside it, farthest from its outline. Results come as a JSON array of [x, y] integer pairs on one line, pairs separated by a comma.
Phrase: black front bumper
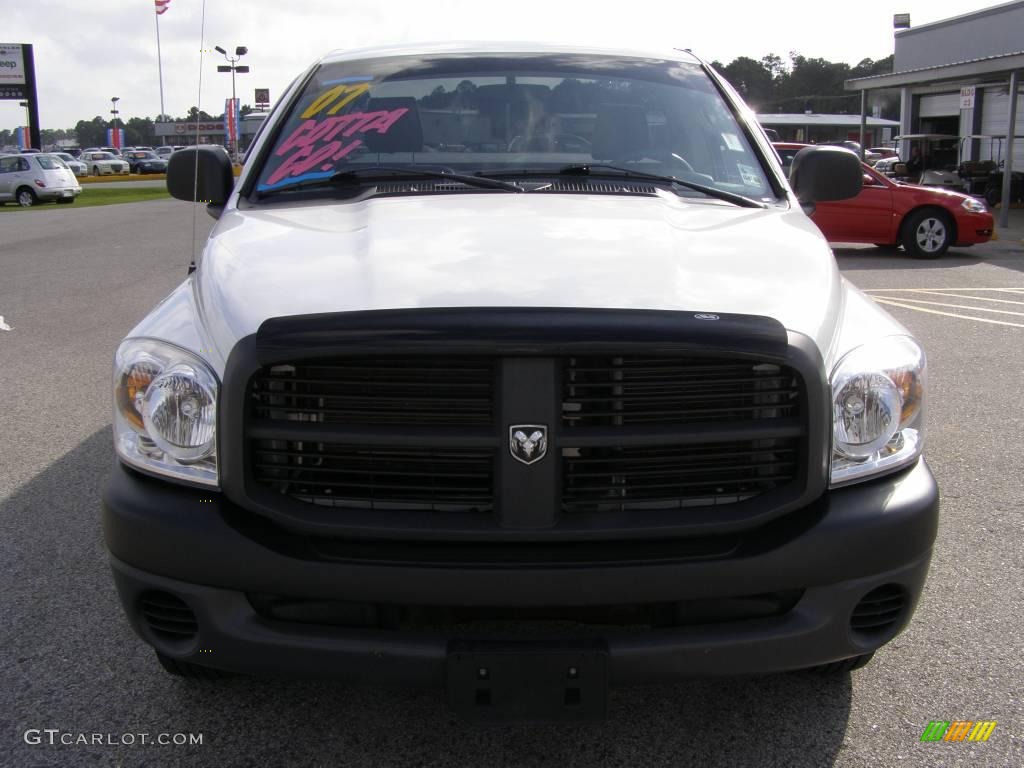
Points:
[[178, 540]]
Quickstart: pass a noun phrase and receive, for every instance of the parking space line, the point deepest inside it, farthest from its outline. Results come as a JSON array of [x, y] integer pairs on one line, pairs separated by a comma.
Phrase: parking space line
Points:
[[891, 303], [918, 290], [954, 306], [973, 298]]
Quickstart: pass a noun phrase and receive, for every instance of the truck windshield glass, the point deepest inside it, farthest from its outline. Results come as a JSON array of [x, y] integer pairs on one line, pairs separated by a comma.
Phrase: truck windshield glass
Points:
[[501, 114]]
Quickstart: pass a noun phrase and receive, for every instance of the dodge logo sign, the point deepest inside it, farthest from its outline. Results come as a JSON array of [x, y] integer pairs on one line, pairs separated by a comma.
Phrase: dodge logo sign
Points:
[[528, 442]]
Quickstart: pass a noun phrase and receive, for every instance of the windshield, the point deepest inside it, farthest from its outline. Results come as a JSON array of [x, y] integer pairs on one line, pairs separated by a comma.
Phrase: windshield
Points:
[[502, 114], [50, 163]]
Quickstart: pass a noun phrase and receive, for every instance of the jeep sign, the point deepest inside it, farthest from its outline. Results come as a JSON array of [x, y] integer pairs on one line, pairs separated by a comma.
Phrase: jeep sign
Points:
[[12, 64]]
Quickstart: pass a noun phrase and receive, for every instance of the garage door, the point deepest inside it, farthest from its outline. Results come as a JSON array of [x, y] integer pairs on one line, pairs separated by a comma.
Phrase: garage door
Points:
[[941, 105], [994, 116]]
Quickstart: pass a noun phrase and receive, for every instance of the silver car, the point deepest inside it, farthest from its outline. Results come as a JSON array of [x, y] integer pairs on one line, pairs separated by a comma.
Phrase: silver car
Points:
[[77, 166], [101, 163], [30, 179]]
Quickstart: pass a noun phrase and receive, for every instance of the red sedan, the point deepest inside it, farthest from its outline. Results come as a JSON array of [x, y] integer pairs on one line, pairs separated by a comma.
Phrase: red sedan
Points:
[[926, 221]]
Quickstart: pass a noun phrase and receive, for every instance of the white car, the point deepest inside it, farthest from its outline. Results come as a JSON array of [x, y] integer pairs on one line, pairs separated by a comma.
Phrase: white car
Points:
[[104, 164], [30, 179], [517, 424], [77, 166]]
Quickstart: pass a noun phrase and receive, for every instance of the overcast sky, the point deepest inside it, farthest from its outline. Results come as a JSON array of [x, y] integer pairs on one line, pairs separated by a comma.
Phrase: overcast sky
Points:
[[87, 51]]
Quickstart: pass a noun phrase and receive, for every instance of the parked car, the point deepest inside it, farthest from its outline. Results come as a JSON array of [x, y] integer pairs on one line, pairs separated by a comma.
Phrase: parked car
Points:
[[888, 166], [115, 151], [518, 425], [104, 163], [786, 150], [145, 162], [870, 156], [926, 221], [164, 152], [77, 166], [36, 178], [883, 153]]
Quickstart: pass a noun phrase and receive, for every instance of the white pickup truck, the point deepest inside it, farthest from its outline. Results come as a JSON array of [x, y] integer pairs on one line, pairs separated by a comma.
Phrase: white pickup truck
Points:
[[521, 372]]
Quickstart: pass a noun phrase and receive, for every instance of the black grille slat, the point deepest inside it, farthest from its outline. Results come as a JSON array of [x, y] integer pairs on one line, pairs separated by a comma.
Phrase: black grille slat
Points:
[[448, 391], [366, 477], [618, 479], [625, 390]]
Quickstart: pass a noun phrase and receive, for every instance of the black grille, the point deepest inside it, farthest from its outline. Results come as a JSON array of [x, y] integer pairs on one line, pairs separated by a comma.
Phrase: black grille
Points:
[[168, 617], [879, 610], [651, 432], [379, 478], [611, 391], [444, 391], [660, 477]]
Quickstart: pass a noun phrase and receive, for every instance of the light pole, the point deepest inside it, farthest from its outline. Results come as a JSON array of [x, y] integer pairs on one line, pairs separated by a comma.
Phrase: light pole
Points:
[[240, 51], [113, 121]]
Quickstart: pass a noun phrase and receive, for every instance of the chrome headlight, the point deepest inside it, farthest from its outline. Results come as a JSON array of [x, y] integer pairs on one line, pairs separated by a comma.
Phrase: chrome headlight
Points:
[[165, 411], [974, 206], [877, 409]]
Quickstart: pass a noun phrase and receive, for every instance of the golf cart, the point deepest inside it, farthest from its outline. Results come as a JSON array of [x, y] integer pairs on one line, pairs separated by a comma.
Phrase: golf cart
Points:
[[985, 177], [939, 153]]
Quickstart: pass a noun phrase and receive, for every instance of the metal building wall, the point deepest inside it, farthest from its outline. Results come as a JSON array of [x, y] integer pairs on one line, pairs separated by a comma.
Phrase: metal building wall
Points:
[[991, 32]]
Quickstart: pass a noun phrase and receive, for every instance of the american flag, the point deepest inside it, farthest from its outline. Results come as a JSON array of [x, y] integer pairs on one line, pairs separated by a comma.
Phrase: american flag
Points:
[[161, 6]]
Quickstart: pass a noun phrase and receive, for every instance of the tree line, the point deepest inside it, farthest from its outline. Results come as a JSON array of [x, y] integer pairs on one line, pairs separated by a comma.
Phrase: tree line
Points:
[[804, 84], [138, 131]]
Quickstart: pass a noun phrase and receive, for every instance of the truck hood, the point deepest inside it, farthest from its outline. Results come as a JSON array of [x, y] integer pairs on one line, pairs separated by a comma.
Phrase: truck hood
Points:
[[525, 250]]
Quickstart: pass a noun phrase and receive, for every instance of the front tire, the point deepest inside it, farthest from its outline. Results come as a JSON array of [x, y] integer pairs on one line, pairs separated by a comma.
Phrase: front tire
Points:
[[927, 235], [95, 170], [26, 197]]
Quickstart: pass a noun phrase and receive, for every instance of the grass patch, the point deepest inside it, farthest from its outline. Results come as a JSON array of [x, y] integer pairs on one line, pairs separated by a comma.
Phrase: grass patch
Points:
[[91, 197]]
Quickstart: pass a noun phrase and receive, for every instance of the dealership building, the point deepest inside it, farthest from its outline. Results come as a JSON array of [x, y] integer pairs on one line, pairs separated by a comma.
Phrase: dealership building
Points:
[[960, 77], [183, 133]]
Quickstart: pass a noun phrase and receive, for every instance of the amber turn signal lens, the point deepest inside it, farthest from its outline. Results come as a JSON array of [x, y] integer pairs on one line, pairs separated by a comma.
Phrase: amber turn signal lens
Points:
[[131, 388]]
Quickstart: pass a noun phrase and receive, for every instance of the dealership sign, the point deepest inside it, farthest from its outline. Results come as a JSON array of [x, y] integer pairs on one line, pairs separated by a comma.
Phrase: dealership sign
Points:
[[13, 83], [12, 64]]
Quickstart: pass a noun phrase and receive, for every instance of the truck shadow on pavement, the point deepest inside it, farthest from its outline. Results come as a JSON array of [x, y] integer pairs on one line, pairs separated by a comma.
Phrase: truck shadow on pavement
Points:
[[73, 664]]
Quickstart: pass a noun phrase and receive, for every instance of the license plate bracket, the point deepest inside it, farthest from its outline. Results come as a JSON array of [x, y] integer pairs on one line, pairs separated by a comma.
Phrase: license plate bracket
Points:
[[528, 681]]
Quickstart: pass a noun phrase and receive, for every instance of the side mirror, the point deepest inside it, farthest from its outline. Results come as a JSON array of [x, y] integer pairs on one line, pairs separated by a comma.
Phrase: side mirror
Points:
[[201, 175], [820, 174]]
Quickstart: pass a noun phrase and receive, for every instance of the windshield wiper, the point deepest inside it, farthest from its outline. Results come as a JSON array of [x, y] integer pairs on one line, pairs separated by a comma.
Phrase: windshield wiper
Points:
[[379, 172], [600, 169]]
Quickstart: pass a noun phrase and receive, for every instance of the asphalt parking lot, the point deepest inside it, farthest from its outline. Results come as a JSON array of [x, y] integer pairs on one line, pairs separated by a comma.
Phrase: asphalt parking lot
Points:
[[74, 282]]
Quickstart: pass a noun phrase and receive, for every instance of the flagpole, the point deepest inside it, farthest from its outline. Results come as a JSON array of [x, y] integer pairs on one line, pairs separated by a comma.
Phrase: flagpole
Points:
[[160, 67]]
